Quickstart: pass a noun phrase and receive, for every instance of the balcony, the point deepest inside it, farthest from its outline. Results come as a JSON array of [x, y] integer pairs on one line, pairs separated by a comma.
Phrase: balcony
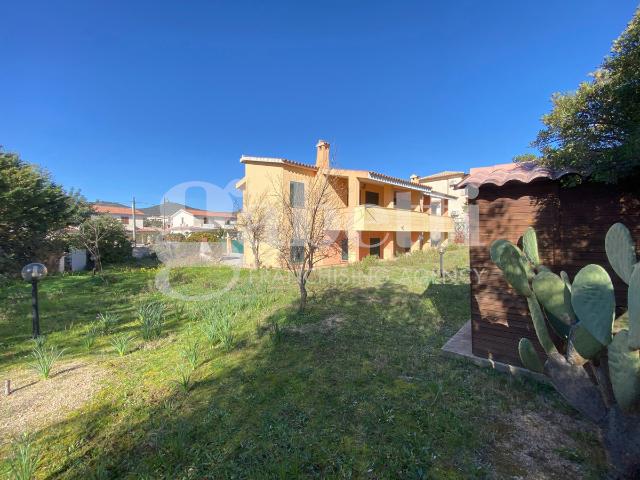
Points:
[[371, 218]]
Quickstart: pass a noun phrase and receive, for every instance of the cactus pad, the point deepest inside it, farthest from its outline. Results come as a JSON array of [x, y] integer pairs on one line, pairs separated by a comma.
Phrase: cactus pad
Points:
[[634, 309], [514, 265], [621, 250], [582, 343], [554, 296], [624, 370], [530, 246], [593, 301], [529, 357], [539, 324]]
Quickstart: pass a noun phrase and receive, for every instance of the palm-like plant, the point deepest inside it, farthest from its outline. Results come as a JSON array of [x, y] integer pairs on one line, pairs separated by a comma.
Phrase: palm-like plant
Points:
[[44, 359], [24, 460], [121, 343]]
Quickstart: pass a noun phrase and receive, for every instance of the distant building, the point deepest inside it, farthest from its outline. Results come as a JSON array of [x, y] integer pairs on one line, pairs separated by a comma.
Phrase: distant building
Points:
[[187, 220], [120, 212]]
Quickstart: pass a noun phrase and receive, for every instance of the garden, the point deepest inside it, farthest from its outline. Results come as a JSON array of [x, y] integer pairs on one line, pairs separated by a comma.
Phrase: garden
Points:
[[225, 378]]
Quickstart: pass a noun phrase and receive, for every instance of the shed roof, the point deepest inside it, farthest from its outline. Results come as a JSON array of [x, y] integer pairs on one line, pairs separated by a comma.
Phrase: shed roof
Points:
[[525, 172]]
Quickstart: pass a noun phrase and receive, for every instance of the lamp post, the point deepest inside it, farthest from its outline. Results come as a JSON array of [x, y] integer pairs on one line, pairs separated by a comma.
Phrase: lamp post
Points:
[[32, 273], [441, 251]]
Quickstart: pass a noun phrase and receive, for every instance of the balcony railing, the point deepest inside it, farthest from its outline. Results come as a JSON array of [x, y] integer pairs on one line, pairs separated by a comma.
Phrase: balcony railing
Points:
[[372, 218]]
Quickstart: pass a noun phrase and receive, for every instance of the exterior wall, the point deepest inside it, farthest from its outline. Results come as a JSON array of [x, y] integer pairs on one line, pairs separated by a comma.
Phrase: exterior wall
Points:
[[571, 224], [445, 186], [359, 222], [127, 226]]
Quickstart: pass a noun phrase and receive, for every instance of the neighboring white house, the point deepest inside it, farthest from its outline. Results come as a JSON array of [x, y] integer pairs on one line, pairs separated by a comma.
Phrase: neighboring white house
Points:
[[187, 220], [120, 212]]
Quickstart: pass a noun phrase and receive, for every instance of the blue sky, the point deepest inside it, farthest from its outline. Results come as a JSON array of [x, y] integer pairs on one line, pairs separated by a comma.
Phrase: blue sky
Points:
[[126, 98]]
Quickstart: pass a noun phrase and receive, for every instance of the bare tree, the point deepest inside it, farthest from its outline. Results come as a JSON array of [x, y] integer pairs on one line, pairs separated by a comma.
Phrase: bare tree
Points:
[[253, 221], [101, 230], [307, 221]]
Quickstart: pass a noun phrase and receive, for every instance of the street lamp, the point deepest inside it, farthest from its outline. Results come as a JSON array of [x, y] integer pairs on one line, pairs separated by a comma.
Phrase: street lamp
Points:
[[441, 251], [32, 273]]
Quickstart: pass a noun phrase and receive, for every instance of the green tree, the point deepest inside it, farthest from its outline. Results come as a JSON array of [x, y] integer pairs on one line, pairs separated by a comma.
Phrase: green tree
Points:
[[596, 129], [105, 239], [33, 211]]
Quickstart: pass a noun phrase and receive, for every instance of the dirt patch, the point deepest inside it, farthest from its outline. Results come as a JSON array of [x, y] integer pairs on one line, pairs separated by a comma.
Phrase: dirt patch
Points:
[[35, 403], [541, 445], [323, 326]]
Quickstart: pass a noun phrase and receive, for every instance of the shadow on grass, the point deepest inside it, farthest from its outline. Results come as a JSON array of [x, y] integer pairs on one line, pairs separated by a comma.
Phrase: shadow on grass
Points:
[[370, 397]]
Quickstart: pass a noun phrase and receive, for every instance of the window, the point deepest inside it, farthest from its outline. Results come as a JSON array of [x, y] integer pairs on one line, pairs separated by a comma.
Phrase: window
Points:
[[402, 200], [371, 198], [296, 194], [125, 220], [344, 246], [205, 220], [297, 251]]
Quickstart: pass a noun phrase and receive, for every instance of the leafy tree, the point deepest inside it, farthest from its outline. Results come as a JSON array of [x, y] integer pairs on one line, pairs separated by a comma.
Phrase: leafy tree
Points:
[[33, 210], [105, 239], [596, 129]]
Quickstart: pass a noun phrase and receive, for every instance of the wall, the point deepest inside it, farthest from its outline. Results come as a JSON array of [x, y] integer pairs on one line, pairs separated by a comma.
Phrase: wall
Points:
[[443, 186], [571, 224]]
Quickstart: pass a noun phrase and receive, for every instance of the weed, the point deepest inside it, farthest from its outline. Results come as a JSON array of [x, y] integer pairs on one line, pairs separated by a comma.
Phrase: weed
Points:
[[151, 318], [91, 335], [44, 358], [184, 379], [39, 341], [218, 328], [121, 343], [24, 460], [107, 322], [191, 353]]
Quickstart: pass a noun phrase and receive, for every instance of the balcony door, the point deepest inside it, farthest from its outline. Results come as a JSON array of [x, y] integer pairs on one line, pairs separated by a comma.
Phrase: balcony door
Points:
[[371, 198], [374, 246]]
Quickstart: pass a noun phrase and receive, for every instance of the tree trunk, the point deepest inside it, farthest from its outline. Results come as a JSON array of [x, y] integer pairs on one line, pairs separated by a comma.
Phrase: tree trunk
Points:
[[303, 295], [621, 438], [256, 256]]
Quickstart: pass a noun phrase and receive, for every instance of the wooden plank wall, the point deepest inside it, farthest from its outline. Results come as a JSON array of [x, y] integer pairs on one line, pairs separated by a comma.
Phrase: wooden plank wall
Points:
[[571, 224]]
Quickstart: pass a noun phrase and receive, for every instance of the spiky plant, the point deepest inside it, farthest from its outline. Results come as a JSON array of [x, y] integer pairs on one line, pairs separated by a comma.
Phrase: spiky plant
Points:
[[190, 352], [595, 368], [184, 379], [24, 459], [107, 322], [121, 343], [91, 335], [39, 341], [44, 358], [151, 319]]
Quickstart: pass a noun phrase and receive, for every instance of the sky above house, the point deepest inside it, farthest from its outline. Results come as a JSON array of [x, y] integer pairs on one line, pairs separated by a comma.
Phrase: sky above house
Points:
[[133, 98]]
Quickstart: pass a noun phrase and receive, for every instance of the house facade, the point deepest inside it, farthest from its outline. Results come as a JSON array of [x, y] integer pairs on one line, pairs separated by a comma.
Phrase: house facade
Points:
[[120, 212], [187, 220], [445, 182], [383, 216]]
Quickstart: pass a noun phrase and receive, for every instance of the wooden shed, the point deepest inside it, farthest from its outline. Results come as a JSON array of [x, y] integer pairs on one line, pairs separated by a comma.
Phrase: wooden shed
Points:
[[571, 223]]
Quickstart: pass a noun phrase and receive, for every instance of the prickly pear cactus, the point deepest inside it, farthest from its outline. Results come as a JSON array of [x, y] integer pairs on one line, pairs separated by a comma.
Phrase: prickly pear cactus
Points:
[[582, 316]]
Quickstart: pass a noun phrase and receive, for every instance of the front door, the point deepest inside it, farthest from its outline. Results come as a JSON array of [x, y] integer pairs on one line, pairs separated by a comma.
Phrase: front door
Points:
[[374, 246]]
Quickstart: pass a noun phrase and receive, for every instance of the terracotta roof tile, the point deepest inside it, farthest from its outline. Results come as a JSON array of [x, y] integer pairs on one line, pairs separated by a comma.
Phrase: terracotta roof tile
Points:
[[510, 172]]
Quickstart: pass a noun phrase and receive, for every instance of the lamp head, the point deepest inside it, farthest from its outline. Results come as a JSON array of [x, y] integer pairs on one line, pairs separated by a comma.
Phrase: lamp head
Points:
[[34, 271]]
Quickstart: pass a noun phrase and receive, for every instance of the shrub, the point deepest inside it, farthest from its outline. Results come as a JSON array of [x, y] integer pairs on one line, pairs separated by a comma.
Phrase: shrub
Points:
[[151, 318], [24, 459], [121, 343], [44, 358]]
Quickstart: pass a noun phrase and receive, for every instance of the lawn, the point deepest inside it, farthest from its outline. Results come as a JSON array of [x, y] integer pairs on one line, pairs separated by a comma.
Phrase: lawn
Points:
[[354, 387]]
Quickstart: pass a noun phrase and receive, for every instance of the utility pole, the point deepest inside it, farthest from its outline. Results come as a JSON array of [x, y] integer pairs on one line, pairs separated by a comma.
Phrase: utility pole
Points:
[[133, 211]]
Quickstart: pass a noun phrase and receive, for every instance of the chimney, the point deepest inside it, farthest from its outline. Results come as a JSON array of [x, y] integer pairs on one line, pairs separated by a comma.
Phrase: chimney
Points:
[[322, 155], [414, 178]]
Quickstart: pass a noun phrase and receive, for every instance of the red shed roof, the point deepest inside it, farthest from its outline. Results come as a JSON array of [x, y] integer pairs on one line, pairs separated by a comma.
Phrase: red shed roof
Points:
[[525, 172]]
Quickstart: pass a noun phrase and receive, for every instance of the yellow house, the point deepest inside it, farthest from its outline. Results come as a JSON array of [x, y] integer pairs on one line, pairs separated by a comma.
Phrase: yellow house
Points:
[[386, 216]]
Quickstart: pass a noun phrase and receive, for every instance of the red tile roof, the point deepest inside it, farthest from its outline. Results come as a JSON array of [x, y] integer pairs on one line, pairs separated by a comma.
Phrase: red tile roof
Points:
[[498, 175], [114, 210]]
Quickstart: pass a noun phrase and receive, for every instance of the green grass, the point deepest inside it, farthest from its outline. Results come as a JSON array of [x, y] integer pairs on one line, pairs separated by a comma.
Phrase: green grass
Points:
[[370, 398]]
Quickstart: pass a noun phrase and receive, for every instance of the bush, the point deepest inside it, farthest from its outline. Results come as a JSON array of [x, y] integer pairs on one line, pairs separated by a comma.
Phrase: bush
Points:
[[212, 236]]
